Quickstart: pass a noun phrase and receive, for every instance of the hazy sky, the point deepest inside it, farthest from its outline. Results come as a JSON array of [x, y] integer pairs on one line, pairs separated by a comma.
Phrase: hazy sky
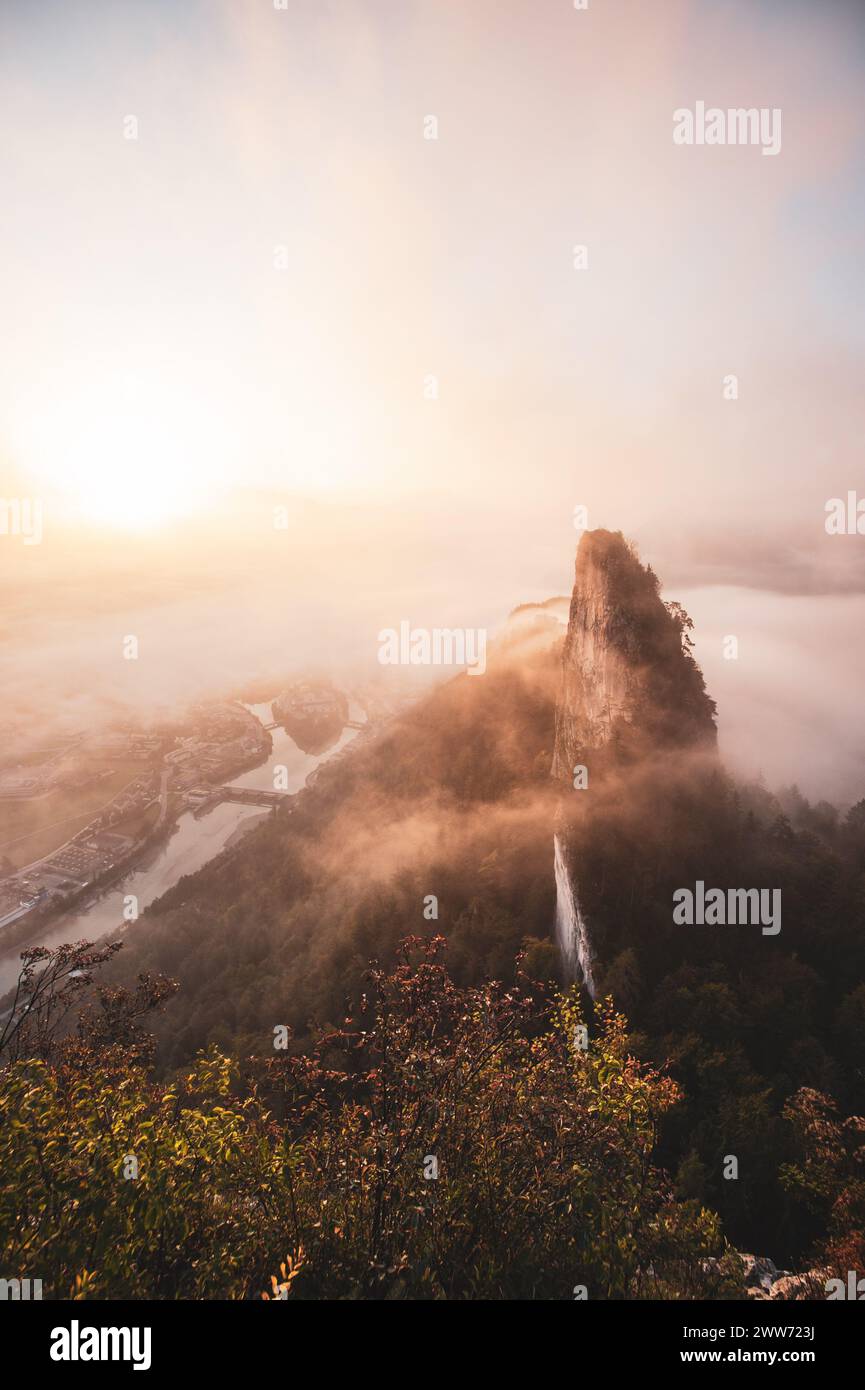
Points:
[[252, 293]]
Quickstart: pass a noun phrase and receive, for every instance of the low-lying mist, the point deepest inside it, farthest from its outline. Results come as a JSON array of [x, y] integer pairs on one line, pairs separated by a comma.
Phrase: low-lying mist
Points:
[[230, 601]]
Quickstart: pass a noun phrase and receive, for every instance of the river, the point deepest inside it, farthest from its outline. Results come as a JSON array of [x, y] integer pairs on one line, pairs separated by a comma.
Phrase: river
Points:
[[192, 843]]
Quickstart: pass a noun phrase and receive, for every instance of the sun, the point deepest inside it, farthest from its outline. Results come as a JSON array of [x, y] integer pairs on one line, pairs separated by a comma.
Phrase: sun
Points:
[[135, 455], [132, 474]]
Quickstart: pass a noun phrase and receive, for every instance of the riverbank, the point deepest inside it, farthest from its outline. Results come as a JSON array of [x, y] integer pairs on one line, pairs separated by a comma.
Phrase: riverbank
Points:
[[184, 846], [244, 829]]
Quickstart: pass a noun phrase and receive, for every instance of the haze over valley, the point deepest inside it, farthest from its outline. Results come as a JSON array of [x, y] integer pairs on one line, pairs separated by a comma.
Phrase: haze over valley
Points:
[[432, 766]]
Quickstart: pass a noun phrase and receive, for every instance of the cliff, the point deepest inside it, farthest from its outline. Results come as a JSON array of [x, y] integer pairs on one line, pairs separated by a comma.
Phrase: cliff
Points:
[[629, 686]]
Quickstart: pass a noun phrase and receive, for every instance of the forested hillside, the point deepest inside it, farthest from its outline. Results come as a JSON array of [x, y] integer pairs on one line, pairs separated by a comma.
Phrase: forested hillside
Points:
[[455, 801]]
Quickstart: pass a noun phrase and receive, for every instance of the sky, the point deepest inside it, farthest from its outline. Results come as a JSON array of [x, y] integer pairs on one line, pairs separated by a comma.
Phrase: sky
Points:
[[245, 306]]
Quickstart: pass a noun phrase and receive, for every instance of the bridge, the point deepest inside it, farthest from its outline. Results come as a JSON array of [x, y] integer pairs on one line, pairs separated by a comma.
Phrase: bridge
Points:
[[249, 796]]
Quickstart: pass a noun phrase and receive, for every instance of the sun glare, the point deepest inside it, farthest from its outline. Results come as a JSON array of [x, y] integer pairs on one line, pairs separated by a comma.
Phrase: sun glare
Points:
[[132, 475], [136, 458]]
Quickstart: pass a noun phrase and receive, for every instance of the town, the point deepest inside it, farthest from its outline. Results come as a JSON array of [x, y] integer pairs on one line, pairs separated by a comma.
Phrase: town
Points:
[[118, 791]]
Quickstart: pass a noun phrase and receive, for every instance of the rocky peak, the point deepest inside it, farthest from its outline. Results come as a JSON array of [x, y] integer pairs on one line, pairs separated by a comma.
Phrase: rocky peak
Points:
[[629, 683]]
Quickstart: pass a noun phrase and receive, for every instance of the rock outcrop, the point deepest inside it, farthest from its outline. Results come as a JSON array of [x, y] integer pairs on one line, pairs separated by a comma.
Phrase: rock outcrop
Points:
[[763, 1280], [629, 683], [630, 692]]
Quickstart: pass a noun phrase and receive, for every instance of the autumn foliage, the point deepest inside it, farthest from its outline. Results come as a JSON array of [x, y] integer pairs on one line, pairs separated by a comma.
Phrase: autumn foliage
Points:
[[316, 1165]]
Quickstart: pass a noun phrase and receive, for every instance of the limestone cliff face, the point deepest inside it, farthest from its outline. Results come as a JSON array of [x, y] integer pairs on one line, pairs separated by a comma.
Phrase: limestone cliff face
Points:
[[630, 686]]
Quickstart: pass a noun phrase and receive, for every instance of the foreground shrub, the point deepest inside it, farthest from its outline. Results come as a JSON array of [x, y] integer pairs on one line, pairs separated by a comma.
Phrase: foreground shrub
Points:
[[446, 1143]]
